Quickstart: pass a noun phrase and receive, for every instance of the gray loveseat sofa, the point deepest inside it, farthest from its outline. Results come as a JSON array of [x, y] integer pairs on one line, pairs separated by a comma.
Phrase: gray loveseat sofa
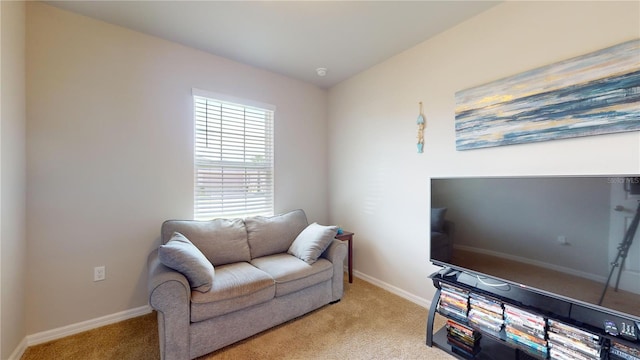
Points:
[[258, 278]]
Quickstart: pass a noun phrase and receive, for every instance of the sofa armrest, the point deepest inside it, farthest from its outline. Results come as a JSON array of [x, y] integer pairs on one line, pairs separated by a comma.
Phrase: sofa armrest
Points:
[[336, 253], [170, 295], [160, 274]]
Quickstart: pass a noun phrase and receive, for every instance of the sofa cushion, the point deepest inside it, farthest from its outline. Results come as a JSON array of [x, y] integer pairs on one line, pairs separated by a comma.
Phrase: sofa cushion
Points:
[[312, 242], [235, 286], [292, 274], [272, 235], [181, 255], [222, 241]]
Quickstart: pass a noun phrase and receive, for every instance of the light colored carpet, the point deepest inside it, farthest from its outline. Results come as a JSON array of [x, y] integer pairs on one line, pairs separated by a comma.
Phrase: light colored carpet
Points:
[[369, 323]]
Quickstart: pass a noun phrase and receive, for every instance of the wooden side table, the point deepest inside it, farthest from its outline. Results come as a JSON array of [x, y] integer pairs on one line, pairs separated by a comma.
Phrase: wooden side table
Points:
[[348, 236]]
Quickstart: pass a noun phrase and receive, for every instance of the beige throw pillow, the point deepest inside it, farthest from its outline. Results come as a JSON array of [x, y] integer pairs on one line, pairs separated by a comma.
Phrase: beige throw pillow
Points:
[[312, 242], [181, 255]]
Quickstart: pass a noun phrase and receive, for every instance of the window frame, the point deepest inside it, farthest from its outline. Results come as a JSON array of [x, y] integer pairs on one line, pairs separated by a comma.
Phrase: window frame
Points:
[[232, 162]]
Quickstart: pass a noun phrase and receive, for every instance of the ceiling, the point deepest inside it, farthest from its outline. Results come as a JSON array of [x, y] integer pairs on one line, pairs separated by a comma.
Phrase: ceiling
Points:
[[292, 38]]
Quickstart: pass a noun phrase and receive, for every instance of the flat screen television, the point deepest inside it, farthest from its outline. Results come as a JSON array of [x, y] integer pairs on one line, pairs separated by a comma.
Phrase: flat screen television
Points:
[[556, 235]]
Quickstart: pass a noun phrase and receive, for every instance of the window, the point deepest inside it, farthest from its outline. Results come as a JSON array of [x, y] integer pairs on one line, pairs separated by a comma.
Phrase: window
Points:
[[233, 157]]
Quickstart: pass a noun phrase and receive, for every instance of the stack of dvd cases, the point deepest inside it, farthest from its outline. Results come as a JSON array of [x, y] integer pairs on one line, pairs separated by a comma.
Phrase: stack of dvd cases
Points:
[[485, 313], [568, 342], [526, 329], [620, 351], [454, 301], [463, 339]]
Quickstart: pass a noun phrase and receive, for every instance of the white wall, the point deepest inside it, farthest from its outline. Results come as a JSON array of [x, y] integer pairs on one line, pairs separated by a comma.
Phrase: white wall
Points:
[[379, 185], [109, 155], [13, 173]]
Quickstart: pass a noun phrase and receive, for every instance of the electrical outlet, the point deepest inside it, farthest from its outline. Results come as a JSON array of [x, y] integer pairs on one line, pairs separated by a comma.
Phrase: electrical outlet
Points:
[[562, 240], [99, 273]]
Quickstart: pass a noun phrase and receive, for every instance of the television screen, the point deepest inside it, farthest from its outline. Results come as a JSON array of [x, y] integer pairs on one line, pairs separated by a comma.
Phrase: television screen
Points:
[[556, 234]]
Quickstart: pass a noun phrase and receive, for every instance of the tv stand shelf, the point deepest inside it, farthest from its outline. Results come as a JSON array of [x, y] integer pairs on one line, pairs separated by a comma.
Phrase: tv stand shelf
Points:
[[491, 350], [494, 345]]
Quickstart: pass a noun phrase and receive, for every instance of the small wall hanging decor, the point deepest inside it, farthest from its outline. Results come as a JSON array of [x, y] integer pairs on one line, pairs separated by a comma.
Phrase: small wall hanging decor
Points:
[[420, 122], [596, 93]]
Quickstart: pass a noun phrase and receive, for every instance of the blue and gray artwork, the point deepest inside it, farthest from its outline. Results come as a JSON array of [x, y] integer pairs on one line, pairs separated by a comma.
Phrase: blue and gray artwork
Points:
[[593, 94]]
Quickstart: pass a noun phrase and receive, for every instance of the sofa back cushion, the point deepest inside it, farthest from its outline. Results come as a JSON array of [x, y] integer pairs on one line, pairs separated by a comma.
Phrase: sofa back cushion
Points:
[[222, 241], [273, 235]]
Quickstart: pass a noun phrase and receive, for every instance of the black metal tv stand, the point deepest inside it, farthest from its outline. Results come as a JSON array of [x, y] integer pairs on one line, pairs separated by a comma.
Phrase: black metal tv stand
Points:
[[494, 346]]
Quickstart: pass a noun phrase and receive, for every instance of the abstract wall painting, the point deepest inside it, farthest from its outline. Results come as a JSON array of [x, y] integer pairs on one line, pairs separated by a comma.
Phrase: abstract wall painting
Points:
[[596, 93]]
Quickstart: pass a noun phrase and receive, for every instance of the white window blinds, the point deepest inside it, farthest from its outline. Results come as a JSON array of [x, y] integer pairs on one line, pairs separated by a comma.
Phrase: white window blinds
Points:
[[233, 159]]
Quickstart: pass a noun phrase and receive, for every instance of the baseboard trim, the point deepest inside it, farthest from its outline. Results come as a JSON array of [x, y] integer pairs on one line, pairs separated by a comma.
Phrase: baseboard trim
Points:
[[394, 290], [17, 353], [55, 334]]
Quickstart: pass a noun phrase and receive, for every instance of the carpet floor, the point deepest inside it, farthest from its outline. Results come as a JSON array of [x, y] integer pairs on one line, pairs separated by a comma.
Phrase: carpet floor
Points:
[[369, 323]]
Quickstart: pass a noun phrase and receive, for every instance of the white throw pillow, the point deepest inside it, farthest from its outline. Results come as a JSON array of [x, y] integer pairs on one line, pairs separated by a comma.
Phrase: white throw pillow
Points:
[[181, 255], [312, 242]]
